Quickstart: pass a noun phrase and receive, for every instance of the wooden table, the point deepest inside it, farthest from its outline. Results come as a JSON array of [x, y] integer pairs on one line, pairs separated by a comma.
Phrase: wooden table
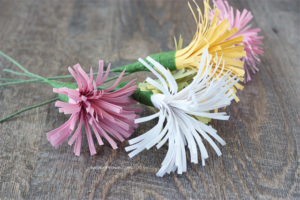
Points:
[[260, 160]]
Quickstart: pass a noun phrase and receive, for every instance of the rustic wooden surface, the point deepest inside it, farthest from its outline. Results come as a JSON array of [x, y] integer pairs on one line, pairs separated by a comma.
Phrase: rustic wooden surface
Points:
[[261, 158]]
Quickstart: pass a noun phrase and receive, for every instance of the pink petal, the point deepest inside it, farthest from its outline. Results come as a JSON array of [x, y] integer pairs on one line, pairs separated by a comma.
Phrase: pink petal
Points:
[[78, 131], [100, 72], [76, 78], [105, 76], [89, 136]]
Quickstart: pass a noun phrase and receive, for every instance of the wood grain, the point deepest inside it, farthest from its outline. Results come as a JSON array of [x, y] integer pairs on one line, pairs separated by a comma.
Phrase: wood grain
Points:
[[261, 158]]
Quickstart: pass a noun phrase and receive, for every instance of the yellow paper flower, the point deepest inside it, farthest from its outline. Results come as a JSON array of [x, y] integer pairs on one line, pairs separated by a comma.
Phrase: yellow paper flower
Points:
[[216, 36], [213, 35]]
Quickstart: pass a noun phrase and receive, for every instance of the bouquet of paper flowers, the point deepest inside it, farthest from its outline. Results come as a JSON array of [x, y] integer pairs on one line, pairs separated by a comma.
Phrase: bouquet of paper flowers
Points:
[[192, 84]]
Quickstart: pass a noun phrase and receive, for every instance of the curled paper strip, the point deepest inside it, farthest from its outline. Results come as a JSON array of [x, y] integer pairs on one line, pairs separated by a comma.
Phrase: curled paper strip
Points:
[[208, 91]]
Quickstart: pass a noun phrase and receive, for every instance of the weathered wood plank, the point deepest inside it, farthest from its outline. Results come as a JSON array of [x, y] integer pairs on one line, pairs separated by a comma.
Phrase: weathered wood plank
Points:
[[260, 160]]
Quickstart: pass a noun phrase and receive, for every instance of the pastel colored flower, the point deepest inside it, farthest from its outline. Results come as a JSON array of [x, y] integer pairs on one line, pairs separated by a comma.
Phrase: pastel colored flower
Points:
[[102, 111], [208, 91], [252, 41]]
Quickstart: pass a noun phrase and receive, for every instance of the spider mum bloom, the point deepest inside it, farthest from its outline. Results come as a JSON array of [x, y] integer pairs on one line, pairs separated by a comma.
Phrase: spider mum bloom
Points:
[[183, 78], [208, 91], [101, 110], [251, 41]]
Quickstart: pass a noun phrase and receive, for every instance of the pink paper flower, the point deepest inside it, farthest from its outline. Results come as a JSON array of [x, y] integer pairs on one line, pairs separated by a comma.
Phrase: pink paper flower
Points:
[[252, 41], [101, 109]]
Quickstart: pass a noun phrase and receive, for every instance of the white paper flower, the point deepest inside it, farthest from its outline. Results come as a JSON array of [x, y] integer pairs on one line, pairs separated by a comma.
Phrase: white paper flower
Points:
[[205, 93]]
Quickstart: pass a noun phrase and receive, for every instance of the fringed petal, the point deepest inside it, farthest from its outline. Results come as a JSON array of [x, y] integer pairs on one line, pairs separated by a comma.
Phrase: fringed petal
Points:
[[176, 109], [95, 108]]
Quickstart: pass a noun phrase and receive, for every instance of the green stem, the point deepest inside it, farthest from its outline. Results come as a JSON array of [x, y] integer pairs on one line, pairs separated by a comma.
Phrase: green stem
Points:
[[9, 80], [17, 64], [22, 68], [17, 73], [166, 59], [29, 73], [20, 82], [2, 120], [16, 81], [39, 78]]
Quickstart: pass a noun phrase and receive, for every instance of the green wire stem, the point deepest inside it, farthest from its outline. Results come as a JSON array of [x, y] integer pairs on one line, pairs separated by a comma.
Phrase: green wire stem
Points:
[[9, 80], [2, 120], [20, 82], [39, 78], [16, 81]]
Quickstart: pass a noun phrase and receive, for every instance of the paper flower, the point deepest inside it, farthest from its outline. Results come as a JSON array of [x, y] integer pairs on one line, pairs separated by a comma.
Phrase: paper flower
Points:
[[214, 35], [183, 78], [252, 41], [101, 109], [205, 93]]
